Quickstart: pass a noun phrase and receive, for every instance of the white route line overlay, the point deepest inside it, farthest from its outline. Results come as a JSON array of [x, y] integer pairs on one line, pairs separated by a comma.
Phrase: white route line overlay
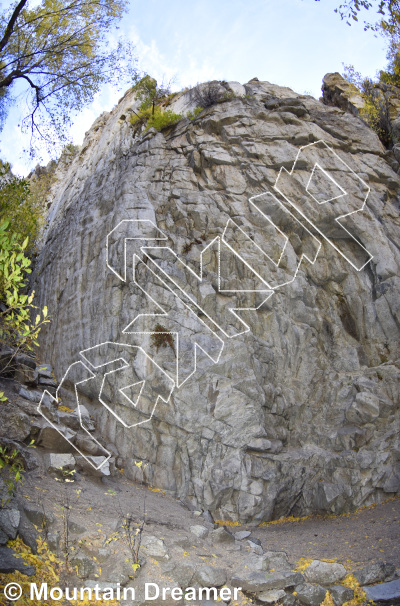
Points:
[[199, 277], [337, 219], [170, 380], [55, 398], [148, 223], [270, 290], [165, 314], [303, 255]]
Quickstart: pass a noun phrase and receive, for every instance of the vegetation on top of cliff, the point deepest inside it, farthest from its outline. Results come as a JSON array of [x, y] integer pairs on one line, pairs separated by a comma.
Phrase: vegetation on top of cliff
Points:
[[377, 93], [150, 93], [159, 120], [58, 51], [376, 97], [151, 113], [208, 94]]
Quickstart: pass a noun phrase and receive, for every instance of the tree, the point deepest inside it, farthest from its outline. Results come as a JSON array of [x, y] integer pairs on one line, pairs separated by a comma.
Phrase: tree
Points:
[[149, 92], [21, 219], [59, 54], [388, 10], [23, 211]]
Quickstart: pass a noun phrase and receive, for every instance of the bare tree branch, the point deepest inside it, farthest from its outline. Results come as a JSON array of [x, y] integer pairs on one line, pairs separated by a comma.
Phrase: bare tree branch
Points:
[[10, 26]]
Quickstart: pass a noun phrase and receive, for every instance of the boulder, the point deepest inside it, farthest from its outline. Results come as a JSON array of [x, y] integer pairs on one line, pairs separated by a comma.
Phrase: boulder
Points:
[[60, 462], [3, 537], [30, 394], [37, 514], [99, 466], [182, 574], [384, 593], [15, 424], [276, 560], [54, 541], [256, 582], [208, 517], [209, 576], [154, 547], [271, 597], [75, 527], [9, 522], [9, 562], [199, 531], [221, 535], [255, 547], [242, 534], [324, 573], [341, 594], [375, 573], [311, 595], [55, 441], [83, 565], [28, 532], [45, 371]]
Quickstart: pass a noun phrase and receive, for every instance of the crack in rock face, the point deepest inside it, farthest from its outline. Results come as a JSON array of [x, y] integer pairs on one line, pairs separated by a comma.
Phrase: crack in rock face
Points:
[[244, 346]]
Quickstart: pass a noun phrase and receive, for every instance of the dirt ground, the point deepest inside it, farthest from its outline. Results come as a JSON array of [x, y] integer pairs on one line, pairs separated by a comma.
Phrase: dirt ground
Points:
[[369, 535], [366, 536]]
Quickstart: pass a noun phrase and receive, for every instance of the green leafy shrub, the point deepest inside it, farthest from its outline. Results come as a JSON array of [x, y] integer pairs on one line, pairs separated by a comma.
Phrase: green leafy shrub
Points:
[[376, 98], [11, 470], [150, 93], [149, 112], [376, 111], [17, 330], [159, 119], [23, 210], [193, 114]]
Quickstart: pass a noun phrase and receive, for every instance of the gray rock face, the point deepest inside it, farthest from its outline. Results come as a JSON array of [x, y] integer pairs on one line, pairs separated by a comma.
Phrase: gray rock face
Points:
[[310, 391]]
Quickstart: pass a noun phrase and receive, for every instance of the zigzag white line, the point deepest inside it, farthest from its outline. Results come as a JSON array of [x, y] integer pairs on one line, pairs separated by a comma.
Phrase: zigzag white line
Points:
[[337, 219]]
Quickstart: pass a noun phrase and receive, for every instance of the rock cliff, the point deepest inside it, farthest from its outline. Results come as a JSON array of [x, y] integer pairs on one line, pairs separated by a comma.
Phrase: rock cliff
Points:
[[288, 407]]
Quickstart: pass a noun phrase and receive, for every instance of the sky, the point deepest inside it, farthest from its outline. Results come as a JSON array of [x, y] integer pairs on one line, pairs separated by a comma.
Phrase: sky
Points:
[[292, 43]]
